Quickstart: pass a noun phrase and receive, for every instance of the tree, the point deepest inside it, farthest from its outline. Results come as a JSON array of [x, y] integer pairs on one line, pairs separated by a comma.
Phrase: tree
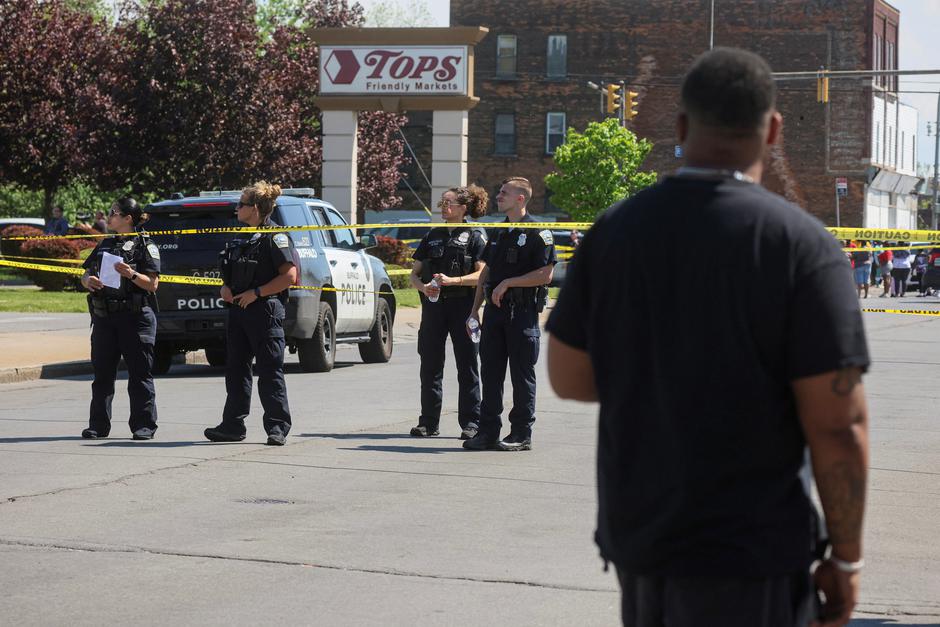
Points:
[[598, 168], [56, 81], [413, 14]]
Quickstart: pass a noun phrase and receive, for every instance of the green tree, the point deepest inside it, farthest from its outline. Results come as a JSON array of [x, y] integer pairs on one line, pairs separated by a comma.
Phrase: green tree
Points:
[[597, 168], [403, 13]]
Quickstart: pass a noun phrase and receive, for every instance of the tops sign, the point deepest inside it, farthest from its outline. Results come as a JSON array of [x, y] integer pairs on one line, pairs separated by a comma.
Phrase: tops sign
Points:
[[393, 70]]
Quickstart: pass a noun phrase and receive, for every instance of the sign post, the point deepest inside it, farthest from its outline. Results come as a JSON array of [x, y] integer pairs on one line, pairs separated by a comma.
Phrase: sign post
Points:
[[842, 189]]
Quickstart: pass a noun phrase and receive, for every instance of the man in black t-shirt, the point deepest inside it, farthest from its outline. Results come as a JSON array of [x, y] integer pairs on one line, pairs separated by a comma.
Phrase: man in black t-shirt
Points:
[[705, 411]]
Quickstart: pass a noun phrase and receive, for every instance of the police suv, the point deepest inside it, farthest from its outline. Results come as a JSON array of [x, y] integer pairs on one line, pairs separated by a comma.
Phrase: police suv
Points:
[[191, 317]]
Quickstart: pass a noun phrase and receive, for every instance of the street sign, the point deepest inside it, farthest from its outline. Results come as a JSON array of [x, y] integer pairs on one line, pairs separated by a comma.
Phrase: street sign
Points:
[[842, 186], [678, 151]]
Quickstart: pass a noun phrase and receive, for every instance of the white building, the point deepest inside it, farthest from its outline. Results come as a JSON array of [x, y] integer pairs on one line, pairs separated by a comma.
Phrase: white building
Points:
[[891, 196]]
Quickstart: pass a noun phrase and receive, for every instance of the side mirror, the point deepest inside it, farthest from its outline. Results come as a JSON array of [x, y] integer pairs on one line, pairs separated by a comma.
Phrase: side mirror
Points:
[[367, 240]]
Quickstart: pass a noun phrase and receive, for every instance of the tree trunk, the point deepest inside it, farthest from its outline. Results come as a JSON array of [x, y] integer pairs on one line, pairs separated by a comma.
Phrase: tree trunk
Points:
[[48, 195]]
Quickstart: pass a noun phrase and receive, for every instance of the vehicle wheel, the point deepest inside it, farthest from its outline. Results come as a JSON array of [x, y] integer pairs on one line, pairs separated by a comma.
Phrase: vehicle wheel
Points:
[[162, 358], [318, 353], [216, 356], [378, 349]]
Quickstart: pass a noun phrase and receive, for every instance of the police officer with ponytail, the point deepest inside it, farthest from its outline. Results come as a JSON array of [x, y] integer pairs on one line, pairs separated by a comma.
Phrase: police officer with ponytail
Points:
[[257, 272], [446, 268], [123, 321]]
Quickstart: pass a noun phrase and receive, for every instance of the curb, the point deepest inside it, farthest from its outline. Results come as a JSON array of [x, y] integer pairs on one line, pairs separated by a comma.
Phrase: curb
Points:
[[77, 368]]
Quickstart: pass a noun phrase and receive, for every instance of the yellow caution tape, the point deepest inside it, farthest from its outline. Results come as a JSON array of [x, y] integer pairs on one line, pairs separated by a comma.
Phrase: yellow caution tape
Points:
[[329, 227], [891, 235], [909, 312], [43, 259], [173, 278]]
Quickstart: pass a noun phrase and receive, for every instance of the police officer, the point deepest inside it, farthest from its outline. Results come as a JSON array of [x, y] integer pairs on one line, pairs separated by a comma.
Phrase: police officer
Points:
[[123, 323], [519, 266], [451, 256], [256, 272]]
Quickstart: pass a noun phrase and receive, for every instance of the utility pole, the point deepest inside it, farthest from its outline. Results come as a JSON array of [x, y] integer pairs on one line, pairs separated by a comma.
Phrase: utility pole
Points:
[[936, 162]]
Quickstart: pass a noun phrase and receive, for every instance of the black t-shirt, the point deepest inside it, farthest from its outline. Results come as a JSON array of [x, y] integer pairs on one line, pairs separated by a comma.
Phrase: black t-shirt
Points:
[[515, 252], [137, 251], [700, 444]]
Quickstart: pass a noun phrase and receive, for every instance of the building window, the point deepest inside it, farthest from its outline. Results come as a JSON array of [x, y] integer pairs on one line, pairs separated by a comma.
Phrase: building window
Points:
[[506, 56], [879, 59], [557, 55], [554, 131], [505, 134]]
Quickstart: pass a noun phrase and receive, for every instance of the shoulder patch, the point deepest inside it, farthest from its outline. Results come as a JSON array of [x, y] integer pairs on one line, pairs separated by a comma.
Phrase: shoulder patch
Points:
[[280, 240], [153, 250], [482, 234], [547, 237]]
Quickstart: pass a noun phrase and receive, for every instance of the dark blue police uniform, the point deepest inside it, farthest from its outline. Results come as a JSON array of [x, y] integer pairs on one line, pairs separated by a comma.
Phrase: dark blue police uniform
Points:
[[511, 331], [255, 332], [123, 324], [453, 251]]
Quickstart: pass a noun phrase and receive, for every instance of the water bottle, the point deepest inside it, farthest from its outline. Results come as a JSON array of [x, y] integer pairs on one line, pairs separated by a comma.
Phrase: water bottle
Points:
[[473, 328], [434, 285]]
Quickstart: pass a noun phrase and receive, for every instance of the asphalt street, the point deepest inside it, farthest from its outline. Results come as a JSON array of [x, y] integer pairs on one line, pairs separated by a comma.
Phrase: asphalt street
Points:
[[355, 523]]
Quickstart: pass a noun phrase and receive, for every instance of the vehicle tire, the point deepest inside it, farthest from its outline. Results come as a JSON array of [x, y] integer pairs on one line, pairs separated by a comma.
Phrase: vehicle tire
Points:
[[378, 349], [318, 353], [162, 358], [216, 356]]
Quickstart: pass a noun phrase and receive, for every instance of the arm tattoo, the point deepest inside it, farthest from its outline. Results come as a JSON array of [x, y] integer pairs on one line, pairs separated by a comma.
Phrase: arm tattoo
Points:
[[842, 492], [845, 381]]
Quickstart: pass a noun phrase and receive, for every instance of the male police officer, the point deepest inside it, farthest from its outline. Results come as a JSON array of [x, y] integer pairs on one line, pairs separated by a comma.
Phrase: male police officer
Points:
[[519, 266]]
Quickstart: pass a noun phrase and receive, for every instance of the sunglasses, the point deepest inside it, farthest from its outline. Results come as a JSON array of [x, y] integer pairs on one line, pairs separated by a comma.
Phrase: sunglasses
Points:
[[115, 212], [241, 204]]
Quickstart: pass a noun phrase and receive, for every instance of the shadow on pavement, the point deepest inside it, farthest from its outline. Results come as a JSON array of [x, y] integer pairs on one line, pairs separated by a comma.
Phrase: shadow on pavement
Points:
[[158, 444], [436, 450], [354, 436], [887, 622], [49, 438]]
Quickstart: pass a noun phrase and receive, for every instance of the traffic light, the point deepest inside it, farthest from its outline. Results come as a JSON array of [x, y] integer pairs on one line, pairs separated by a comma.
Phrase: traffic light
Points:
[[822, 88], [613, 97], [629, 107]]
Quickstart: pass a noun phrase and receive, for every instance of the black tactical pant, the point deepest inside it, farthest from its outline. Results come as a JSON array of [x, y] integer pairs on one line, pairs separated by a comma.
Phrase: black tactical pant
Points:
[[130, 335], [256, 332], [448, 316], [509, 334]]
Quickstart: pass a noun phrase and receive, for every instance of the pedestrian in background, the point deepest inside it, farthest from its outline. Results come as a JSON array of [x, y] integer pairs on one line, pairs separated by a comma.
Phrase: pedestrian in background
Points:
[[519, 267], [123, 323], [705, 413], [256, 273], [901, 270], [447, 264], [58, 225], [886, 264], [861, 263], [100, 225], [919, 270]]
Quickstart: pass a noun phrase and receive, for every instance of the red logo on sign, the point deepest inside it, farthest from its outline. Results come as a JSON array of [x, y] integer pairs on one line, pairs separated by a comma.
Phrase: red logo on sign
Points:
[[342, 67]]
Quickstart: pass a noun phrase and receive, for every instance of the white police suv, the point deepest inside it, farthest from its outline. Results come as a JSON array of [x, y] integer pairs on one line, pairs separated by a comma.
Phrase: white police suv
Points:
[[191, 317]]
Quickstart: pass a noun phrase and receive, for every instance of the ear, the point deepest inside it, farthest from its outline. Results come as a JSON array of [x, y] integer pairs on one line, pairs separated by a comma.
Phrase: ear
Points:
[[774, 128], [682, 127]]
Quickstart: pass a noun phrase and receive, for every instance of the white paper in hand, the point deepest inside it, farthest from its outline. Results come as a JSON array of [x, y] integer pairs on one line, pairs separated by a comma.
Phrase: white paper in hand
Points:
[[109, 276]]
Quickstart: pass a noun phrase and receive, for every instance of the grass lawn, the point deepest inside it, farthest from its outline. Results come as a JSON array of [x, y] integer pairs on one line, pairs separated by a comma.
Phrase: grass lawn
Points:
[[407, 298], [30, 300]]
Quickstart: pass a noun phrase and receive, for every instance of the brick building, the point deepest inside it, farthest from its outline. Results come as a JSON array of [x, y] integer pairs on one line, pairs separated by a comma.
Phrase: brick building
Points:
[[531, 72]]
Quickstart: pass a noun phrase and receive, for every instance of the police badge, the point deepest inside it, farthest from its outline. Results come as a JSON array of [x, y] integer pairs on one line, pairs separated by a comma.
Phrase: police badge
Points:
[[521, 241]]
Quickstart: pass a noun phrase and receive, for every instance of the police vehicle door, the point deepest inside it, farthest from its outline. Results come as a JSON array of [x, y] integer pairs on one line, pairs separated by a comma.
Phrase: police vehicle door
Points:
[[352, 274]]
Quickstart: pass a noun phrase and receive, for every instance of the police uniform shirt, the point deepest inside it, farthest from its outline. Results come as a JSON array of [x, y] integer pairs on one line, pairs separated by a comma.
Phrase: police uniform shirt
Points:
[[700, 444], [515, 252], [139, 252], [274, 250], [434, 245]]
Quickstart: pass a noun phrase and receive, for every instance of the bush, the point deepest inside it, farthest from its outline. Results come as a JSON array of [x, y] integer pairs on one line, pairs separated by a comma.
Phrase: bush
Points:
[[399, 281], [52, 249], [91, 242], [392, 251], [12, 247]]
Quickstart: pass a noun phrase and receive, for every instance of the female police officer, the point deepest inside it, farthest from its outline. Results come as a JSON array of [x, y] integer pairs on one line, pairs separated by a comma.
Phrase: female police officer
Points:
[[256, 271], [123, 322], [450, 255]]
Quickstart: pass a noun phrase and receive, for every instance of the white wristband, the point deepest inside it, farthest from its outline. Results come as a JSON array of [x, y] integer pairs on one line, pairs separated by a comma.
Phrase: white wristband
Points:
[[847, 567]]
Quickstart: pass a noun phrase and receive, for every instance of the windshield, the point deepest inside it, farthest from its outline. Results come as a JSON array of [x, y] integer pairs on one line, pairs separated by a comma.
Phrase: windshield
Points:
[[198, 251]]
